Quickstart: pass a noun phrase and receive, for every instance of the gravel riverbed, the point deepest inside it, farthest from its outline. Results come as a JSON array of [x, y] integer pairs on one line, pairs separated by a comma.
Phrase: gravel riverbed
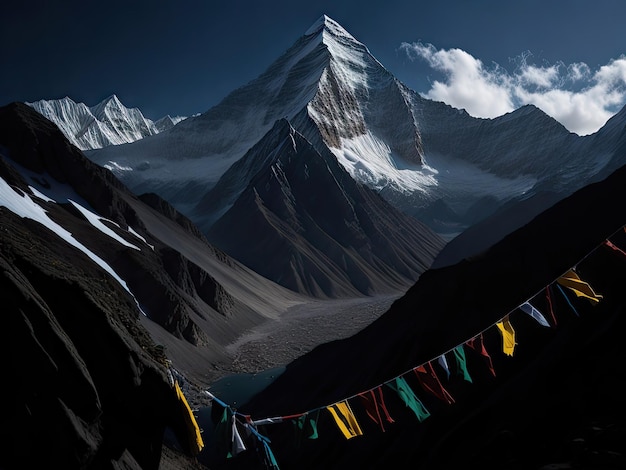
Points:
[[277, 342]]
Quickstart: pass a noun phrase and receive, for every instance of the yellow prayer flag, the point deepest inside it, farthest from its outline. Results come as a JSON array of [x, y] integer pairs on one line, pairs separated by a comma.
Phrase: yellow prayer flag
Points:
[[578, 286], [346, 422], [195, 438], [508, 336]]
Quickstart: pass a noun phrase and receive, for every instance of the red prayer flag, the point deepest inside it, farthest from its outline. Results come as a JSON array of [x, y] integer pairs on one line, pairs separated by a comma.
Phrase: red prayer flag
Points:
[[478, 345], [550, 308], [373, 402], [615, 248], [429, 380]]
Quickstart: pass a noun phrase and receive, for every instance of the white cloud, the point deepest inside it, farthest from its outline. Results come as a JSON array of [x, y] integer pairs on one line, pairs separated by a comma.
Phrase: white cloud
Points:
[[572, 94], [542, 77], [578, 71], [468, 84]]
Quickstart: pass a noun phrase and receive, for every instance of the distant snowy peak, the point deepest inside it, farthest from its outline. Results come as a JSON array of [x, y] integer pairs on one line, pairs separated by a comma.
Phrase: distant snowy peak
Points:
[[107, 123], [167, 122], [127, 124], [319, 25]]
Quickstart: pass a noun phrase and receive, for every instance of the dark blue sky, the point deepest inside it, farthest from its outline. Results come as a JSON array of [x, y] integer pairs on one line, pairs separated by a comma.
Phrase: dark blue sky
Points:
[[182, 57]]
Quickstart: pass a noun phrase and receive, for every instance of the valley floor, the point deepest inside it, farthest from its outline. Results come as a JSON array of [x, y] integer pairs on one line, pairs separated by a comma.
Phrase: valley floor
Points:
[[275, 343], [301, 328]]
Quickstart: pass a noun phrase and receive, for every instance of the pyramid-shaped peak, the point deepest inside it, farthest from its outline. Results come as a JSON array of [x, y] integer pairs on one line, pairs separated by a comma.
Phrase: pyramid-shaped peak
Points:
[[327, 24], [318, 26]]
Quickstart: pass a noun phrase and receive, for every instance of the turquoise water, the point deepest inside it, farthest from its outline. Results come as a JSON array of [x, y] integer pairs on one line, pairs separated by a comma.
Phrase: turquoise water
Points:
[[235, 390]]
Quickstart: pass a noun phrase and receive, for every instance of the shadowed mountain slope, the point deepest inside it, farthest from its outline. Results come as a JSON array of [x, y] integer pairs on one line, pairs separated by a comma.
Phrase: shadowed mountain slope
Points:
[[303, 222], [103, 295], [183, 284], [605, 149]]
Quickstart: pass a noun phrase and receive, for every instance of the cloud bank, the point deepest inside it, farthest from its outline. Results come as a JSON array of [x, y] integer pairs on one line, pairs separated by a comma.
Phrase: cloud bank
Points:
[[579, 98]]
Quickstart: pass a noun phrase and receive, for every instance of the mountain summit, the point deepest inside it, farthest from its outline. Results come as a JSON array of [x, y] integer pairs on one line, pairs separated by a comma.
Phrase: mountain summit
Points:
[[291, 151], [346, 108]]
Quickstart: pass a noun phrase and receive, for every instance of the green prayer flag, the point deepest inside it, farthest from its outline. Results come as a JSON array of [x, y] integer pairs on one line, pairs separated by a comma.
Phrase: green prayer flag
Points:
[[223, 433], [461, 362], [306, 427], [409, 398]]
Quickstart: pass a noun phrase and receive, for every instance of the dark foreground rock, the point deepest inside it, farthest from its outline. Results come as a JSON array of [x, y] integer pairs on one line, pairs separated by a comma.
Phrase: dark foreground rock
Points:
[[85, 385]]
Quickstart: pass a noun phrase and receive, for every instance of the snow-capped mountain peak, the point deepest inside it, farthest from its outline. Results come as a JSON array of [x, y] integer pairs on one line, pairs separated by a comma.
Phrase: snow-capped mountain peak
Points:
[[126, 124], [361, 110], [111, 104], [167, 122], [329, 28], [344, 49], [318, 26], [426, 157], [107, 123], [330, 88], [111, 101]]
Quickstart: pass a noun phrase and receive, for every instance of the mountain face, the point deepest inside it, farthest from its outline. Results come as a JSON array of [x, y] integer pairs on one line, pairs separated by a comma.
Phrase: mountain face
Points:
[[605, 151], [428, 159], [302, 221], [344, 243], [158, 256], [104, 292], [327, 85], [555, 402], [107, 123]]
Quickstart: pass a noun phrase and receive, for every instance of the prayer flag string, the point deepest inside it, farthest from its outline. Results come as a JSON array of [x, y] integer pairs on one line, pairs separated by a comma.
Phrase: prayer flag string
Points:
[[372, 399]]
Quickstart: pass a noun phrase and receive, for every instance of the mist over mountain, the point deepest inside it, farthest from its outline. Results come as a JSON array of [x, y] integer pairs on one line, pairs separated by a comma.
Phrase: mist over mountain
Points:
[[107, 123]]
